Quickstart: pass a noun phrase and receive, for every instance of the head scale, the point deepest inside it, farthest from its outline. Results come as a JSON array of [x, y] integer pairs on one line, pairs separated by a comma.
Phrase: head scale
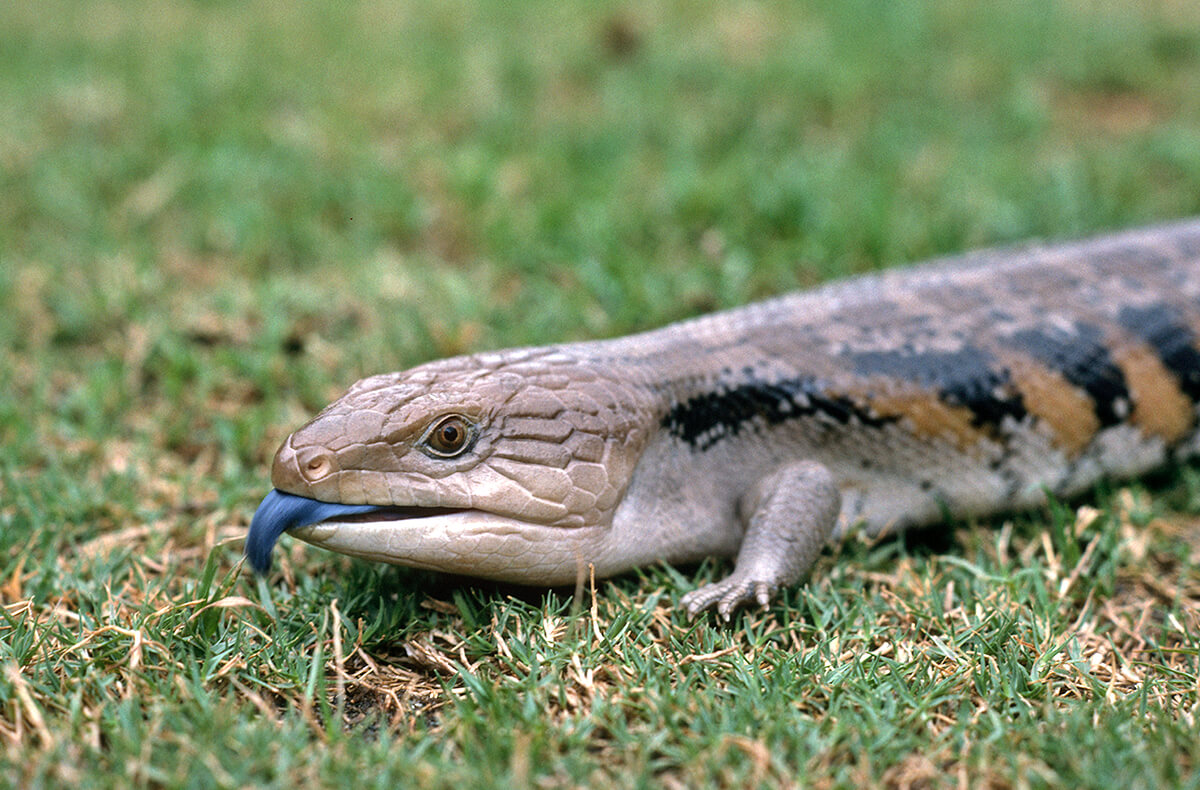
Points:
[[535, 435]]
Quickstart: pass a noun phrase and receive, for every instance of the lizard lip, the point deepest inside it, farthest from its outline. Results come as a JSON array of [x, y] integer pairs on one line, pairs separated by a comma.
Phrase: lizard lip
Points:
[[315, 521], [401, 535], [391, 515]]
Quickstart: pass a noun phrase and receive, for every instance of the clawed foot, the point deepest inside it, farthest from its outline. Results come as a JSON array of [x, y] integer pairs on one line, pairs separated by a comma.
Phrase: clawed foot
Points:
[[728, 594], [792, 513]]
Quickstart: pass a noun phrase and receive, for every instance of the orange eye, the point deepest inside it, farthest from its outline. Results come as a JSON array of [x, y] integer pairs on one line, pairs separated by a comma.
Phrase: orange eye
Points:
[[449, 436]]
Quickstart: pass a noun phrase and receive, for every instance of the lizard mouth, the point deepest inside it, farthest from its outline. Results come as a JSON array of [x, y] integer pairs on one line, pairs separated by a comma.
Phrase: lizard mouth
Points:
[[453, 540], [325, 524], [403, 535], [389, 513]]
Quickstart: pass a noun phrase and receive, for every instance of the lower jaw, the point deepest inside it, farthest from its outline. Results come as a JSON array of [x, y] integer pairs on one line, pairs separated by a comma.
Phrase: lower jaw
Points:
[[500, 550]]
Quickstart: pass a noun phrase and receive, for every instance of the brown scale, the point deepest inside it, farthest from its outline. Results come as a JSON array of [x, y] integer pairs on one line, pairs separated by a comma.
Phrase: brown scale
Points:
[[1061, 407], [923, 412], [1160, 408]]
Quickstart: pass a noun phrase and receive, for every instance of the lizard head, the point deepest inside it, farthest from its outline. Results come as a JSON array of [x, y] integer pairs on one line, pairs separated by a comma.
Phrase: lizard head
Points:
[[491, 465]]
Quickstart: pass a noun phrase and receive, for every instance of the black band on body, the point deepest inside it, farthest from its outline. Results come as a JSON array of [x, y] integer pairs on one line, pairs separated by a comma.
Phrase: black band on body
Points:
[[1164, 330], [703, 420], [1082, 358]]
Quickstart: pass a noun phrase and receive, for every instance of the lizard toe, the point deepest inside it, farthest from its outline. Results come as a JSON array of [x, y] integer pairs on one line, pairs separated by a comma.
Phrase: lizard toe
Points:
[[727, 595]]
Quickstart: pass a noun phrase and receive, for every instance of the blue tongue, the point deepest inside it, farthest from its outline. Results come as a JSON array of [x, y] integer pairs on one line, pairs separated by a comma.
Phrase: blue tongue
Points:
[[280, 512]]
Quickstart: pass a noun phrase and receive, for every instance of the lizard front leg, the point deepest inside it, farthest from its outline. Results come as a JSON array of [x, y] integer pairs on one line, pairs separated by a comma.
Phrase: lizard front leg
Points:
[[789, 516]]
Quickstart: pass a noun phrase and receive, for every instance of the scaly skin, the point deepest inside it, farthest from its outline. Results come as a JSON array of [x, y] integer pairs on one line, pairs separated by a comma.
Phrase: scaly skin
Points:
[[967, 386]]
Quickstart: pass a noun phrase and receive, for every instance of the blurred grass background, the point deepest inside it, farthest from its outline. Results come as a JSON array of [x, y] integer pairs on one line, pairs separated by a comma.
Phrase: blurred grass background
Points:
[[214, 216]]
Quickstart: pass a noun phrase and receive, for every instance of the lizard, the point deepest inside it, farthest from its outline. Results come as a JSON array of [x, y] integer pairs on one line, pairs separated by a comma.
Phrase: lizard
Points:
[[967, 386]]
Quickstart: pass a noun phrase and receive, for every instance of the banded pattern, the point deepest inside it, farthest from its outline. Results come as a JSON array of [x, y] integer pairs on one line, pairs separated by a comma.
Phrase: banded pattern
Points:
[[705, 419]]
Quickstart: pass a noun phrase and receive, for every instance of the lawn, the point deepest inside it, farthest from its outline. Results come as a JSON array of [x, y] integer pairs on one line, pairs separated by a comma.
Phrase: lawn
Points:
[[215, 216]]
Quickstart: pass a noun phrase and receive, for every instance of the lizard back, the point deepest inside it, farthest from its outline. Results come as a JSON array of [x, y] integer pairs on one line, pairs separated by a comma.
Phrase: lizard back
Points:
[[967, 386]]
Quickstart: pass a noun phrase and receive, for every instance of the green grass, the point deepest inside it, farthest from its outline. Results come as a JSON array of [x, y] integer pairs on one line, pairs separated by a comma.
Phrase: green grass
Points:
[[214, 216]]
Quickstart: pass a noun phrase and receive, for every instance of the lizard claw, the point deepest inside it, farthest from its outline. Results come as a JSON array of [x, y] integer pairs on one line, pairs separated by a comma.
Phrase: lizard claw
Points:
[[793, 511], [727, 595]]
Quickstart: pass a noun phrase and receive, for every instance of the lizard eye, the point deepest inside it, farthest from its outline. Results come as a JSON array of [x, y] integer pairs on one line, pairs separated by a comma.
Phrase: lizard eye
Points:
[[449, 436]]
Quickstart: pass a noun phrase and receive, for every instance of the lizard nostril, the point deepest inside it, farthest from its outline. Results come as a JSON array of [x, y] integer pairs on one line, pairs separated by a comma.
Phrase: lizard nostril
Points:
[[315, 464]]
